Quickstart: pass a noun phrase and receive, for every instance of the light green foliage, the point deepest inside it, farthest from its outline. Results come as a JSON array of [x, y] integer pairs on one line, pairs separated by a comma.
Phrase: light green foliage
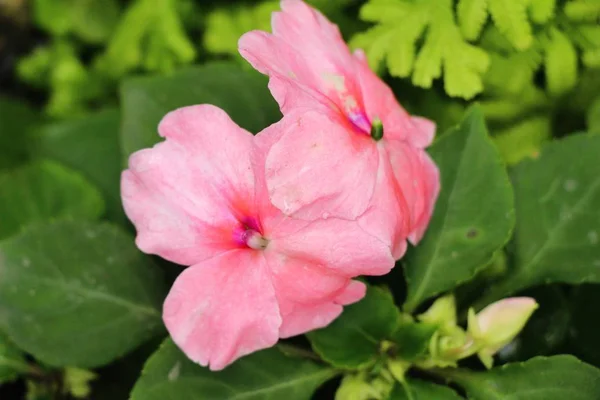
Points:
[[91, 20], [58, 68], [266, 375], [401, 25], [77, 382], [225, 25], [149, 36], [420, 39]]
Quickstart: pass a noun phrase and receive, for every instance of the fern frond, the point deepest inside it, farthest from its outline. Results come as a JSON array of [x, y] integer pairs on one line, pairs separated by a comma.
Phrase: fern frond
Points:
[[505, 109], [583, 10], [509, 75], [471, 15], [510, 16], [560, 63], [542, 10]]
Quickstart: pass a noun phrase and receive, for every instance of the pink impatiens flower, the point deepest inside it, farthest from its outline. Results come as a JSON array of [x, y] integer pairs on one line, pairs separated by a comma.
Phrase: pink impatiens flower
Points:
[[256, 275], [358, 153]]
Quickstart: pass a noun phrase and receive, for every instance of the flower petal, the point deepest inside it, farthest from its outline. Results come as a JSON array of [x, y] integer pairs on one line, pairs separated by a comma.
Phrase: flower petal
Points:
[[305, 319], [418, 179], [338, 245], [319, 169], [184, 194], [223, 309], [380, 102]]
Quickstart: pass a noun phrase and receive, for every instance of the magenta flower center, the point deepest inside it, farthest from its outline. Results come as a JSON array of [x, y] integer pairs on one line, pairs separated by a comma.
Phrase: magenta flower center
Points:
[[249, 234]]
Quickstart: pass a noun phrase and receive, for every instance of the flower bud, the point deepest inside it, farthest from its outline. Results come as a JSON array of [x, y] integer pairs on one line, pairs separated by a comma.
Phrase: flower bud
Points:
[[441, 313], [356, 387], [498, 324]]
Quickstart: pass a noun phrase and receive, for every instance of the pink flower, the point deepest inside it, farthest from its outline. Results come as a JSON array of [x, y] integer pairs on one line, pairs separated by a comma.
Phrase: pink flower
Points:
[[256, 275], [336, 110]]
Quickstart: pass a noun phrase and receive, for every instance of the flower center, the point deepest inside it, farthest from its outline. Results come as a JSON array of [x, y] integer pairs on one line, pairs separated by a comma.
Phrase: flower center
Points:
[[249, 234], [255, 240]]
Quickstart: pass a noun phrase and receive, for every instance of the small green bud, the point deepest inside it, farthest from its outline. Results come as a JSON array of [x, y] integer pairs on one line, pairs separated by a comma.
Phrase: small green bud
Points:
[[77, 382], [442, 313], [355, 387], [498, 324]]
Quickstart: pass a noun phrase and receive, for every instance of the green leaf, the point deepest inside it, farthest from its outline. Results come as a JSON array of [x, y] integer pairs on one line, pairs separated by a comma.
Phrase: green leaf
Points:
[[43, 191], [354, 339], [413, 339], [510, 16], [16, 120], [473, 216], [556, 198], [561, 63], [91, 146], [416, 389], [541, 378], [12, 360], [78, 294], [240, 92], [472, 15], [266, 375]]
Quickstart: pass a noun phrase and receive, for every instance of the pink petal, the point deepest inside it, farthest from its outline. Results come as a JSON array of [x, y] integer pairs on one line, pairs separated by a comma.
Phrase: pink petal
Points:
[[223, 309], [340, 246], [380, 102], [318, 169], [184, 194], [305, 319], [418, 179]]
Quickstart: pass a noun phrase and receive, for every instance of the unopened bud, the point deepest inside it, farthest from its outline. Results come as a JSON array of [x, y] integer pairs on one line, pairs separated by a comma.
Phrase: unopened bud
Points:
[[441, 313], [355, 387], [498, 324]]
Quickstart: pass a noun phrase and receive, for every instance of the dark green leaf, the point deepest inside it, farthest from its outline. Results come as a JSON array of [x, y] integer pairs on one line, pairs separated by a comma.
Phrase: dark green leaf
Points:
[[266, 375], [473, 216], [16, 120], [12, 360], [77, 294], [541, 378], [242, 93], [413, 339], [421, 390], [354, 339], [557, 236], [91, 146], [43, 191]]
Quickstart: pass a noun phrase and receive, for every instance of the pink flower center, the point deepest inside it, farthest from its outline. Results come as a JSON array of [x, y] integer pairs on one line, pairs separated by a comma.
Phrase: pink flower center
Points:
[[249, 234]]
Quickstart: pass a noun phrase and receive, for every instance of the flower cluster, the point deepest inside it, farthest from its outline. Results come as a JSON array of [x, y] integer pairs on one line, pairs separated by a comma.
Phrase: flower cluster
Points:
[[274, 227]]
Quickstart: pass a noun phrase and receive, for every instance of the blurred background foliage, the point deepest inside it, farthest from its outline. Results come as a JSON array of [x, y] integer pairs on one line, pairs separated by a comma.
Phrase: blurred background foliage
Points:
[[534, 65]]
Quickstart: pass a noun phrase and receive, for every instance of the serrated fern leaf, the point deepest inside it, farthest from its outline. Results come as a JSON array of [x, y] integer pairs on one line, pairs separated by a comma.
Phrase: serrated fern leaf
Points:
[[472, 15], [541, 10], [583, 10], [560, 63], [510, 16]]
